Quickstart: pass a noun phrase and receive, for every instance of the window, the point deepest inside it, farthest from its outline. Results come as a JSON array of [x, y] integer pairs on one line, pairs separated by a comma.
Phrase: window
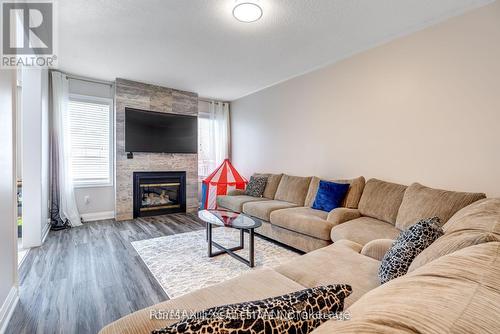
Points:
[[90, 125], [213, 136], [206, 162]]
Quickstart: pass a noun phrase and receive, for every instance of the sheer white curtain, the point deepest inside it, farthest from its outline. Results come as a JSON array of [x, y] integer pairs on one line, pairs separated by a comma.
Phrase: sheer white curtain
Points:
[[213, 134], [61, 150], [219, 124]]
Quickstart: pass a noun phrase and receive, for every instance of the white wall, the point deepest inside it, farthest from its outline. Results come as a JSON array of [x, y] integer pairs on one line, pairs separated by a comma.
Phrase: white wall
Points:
[[94, 202], [35, 156], [8, 253], [422, 108], [19, 125]]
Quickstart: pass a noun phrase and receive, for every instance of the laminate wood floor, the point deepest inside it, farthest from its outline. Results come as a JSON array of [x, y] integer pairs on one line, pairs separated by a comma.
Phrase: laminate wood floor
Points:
[[86, 277]]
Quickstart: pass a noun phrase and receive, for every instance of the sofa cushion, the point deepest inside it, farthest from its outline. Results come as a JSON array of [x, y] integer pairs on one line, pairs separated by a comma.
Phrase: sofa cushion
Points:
[[457, 293], [330, 195], [303, 220], [305, 310], [257, 284], [273, 181], [340, 262], [298, 241], [363, 230], [235, 203], [342, 215], [352, 197], [263, 209], [256, 186], [475, 224], [236, 192], [376, 249], [407, 246], [421, 202], [381, 200], [293, 189], [483, 215]]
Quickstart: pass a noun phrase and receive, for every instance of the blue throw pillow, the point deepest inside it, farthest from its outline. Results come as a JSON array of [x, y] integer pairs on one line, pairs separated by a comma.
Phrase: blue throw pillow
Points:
[[330, 195]]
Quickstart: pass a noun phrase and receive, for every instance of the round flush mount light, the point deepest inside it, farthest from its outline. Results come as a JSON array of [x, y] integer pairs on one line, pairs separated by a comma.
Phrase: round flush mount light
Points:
[[247, 12]]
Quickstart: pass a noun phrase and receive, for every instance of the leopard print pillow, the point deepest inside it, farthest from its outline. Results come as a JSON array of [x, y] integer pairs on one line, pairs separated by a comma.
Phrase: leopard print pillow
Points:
[[256, 186], [297, 312], [407, 246]]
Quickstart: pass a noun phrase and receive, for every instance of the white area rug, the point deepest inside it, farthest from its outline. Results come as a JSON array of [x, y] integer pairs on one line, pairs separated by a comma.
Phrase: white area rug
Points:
[[180, 263]]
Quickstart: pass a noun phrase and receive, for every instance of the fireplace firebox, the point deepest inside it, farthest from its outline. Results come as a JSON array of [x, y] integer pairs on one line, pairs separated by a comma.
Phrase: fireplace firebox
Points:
[[158, 193]]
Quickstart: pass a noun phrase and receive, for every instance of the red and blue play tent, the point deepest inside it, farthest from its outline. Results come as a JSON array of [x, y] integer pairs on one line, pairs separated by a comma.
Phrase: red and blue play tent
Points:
[[220, 182]]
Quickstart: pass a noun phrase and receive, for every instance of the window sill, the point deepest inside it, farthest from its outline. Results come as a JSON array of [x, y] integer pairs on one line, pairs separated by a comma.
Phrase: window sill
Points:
[[92, 185]]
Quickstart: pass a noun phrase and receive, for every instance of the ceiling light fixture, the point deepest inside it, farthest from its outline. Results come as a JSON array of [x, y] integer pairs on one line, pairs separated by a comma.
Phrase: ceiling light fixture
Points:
[[247, 12]]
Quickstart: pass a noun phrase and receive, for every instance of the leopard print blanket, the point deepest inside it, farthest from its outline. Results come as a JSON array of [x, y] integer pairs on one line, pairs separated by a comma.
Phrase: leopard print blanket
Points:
[[298, 312]]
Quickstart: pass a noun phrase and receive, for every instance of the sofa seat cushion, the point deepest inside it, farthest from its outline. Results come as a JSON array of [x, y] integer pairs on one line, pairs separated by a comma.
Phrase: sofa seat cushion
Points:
[[381, 200], [421, 202], [337, 263], [235, 203], [457, 293], [293, 189], [263, 209], [352, 197], [475, 224], [363, 230], [298, 241], [254, 285], [304, 220]]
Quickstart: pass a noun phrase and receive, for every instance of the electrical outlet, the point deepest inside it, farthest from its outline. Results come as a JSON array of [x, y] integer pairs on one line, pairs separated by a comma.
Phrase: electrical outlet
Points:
[[86, 199]]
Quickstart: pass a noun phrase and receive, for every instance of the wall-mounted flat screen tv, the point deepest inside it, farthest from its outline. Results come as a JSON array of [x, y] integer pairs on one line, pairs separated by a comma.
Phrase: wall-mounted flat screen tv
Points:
[[154, 132]]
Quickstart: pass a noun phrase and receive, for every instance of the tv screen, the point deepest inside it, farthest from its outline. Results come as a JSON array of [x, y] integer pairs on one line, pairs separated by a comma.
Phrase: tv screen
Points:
[[147, 131]]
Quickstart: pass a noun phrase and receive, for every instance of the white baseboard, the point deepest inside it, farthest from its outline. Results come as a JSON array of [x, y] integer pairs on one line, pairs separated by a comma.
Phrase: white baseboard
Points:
[[19, 263], [8, 308], [45, 231], [93, 216]]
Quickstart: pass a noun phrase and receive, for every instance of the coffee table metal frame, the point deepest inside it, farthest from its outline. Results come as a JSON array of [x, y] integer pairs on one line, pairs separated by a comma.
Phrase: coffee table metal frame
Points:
[[231, 251], [242, 222]]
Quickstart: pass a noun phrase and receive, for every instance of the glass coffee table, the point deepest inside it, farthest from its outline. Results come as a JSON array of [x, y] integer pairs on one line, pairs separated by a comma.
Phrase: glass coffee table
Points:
[[234, 220]]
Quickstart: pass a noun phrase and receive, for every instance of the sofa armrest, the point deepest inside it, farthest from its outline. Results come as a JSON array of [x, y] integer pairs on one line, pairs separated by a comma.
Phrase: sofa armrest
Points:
[[236, 192], [349, 244], [341, 215], [376, 249]]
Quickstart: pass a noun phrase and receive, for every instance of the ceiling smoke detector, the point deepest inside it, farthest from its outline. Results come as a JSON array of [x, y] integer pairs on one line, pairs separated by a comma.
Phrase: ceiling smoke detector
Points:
[[247, 12]]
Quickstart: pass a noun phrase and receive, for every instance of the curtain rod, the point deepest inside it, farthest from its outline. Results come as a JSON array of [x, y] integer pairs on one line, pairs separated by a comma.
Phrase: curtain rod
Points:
[[211, 101], [76, 77], [102, 82]]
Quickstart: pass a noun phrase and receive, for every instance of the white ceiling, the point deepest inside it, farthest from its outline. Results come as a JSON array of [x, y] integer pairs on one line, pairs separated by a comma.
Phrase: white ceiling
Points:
[[197, 45]]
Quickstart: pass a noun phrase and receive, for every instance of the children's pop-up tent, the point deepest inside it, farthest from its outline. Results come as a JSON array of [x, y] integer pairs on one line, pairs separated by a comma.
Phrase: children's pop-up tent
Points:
[[220, 182]]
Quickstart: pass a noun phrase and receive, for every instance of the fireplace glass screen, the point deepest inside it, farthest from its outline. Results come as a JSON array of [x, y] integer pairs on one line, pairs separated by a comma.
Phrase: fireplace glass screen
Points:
[[160, 196], [157, 193]]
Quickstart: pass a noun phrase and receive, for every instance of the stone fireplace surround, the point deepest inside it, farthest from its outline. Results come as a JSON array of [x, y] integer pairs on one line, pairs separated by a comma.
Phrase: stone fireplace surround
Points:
[[160, 99]]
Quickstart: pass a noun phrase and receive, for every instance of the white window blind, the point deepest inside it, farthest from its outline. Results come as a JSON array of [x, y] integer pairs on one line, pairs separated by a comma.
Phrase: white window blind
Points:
[[91, 141]]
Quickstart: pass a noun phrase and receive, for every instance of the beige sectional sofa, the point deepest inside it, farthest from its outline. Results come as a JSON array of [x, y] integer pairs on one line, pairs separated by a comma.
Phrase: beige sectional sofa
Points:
[[375, 210], [286, 210], [385, 209], [452, 287]]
